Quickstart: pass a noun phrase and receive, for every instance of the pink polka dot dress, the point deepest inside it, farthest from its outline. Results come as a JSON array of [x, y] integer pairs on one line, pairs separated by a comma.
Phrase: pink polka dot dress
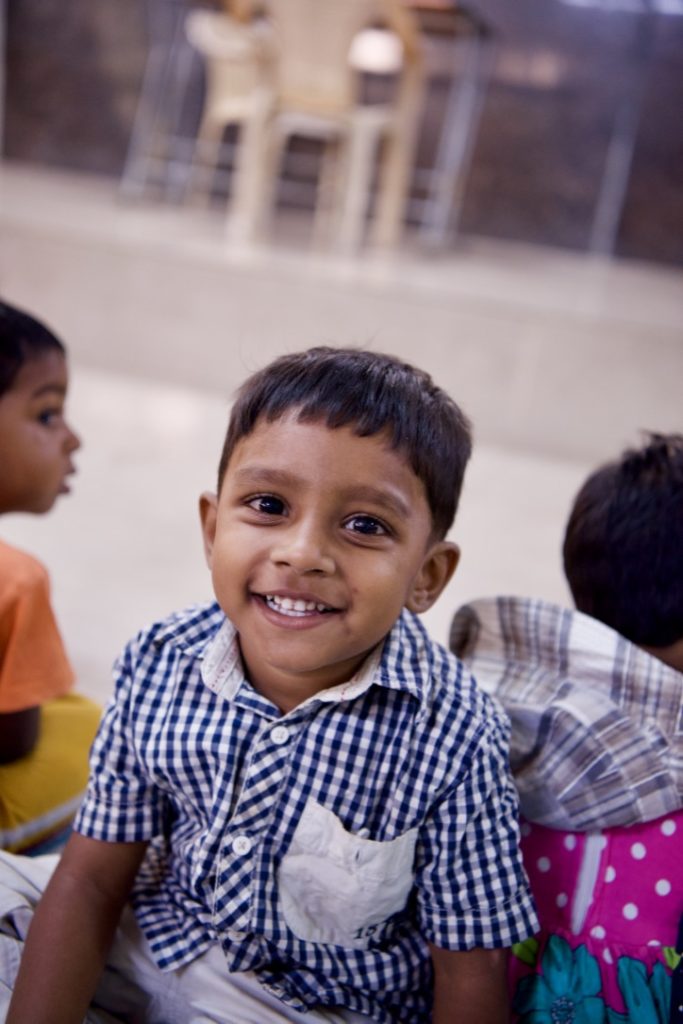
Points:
[[596, 749], [609, 904]]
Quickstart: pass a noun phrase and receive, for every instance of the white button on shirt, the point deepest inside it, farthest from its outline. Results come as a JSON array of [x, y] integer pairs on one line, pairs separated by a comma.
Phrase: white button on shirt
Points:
[[242, 845], [279, 735]]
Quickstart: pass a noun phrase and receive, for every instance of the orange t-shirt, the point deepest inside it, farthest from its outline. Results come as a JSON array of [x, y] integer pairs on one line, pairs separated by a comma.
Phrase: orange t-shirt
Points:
[[34, 667]]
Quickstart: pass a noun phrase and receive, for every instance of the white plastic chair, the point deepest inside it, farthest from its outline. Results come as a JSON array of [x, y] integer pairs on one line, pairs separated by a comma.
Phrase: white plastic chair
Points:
[[319, 53], [239, 90]]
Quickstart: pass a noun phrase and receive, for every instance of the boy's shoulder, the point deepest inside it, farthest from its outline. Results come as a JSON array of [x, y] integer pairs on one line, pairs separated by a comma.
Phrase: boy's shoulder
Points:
[[19, 573], [455, 726], [187, 630], [162, 649], [443, 684]]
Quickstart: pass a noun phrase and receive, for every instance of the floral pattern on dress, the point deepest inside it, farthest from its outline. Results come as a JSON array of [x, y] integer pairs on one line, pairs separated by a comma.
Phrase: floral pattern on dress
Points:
[[568, 988]]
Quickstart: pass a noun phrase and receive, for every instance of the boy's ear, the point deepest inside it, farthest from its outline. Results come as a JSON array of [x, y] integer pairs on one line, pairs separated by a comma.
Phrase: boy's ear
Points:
[[208, 507], [439, 564]]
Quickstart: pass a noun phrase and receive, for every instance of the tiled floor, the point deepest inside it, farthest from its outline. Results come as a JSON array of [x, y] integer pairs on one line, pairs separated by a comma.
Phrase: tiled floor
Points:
[[558, 360]]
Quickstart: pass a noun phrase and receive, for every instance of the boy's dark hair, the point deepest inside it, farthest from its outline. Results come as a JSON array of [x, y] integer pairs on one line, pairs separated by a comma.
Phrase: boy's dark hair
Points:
[[22, 337], [370, 392], [623, 546]]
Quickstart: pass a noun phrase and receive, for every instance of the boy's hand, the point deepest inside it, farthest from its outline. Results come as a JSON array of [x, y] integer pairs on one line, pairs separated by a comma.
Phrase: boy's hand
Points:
[[72, 930], [470, 987]]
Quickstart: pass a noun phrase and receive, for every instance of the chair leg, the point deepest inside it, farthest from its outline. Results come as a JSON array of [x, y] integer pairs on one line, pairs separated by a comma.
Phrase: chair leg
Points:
[[398, 162], [328, 193], [249, 192], [275, 151], [362, 148], [205, 158]]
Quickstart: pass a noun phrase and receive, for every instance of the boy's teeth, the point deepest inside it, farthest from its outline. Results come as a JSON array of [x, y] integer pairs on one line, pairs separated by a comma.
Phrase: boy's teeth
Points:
[[293, 606]]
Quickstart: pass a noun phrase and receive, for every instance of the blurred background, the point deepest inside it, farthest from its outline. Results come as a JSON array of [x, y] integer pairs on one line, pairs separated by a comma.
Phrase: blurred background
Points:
[[492, 191]]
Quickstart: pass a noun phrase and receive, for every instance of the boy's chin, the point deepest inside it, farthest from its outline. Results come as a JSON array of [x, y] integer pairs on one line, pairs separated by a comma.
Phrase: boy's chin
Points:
[[43, 505]]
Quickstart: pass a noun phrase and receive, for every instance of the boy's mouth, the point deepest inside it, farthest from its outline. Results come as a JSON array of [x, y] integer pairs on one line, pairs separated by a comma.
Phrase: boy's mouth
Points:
[[295, 607], [64, 487]]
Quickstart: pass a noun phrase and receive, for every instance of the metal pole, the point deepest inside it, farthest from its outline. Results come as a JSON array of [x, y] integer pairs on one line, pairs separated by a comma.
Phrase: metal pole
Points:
[[622, 144]]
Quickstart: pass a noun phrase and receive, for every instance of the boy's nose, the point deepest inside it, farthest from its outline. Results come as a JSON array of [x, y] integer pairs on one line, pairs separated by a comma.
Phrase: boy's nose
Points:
[[72, 441], [303, 550]]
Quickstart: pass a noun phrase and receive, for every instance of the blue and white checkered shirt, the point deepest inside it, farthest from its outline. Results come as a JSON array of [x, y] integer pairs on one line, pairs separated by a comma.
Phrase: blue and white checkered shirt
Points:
[[325, 848]]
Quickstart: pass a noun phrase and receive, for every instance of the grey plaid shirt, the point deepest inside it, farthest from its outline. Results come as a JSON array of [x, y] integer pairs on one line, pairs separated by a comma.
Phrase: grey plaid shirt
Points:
[[597, 723]]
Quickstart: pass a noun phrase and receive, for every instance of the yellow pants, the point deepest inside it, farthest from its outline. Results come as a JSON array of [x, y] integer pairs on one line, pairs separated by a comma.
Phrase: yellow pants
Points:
[[40, 793]]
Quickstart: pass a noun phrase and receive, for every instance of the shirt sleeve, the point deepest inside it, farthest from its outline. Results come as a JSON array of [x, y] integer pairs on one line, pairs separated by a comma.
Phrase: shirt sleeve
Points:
[[34, 667], [122, 804], [472, 888]]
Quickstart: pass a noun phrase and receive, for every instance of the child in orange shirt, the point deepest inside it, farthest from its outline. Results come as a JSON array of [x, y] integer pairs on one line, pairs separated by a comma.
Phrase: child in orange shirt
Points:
[[45, 730]]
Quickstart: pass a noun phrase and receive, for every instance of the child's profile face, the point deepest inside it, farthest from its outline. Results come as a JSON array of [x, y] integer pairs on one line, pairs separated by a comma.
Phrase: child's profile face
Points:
[[316, 542], [36, 443]]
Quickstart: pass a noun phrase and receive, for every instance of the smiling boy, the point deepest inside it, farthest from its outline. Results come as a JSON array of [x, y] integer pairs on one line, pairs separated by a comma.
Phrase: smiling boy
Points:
[[320, 794], [320, 583]]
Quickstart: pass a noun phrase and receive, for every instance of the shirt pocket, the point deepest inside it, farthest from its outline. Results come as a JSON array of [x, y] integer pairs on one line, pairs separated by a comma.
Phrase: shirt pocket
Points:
[[339, 888]]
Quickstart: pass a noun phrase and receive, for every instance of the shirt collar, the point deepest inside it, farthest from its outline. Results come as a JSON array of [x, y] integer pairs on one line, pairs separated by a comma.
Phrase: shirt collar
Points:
[[395, 664], [221, 666]]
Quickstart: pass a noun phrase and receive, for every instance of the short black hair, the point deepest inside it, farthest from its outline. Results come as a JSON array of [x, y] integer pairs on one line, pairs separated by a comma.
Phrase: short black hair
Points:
[[22, 337], [370, 392], [623, 546]]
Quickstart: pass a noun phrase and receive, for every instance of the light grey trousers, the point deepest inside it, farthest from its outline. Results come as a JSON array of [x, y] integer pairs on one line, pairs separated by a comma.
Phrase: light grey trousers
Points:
[[132, 989]]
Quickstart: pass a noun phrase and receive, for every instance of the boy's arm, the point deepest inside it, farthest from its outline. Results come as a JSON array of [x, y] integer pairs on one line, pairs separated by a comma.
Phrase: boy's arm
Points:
[[18, 733], [72, 930], [470, 987]]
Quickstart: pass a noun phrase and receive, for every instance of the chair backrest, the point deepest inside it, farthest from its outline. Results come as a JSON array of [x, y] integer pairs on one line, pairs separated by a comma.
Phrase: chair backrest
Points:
[[238, 59], [313, 39]]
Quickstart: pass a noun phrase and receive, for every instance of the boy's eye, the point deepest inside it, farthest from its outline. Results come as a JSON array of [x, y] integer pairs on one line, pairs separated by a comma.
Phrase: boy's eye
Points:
[[368, 526], [268, 505], [48, 417]]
